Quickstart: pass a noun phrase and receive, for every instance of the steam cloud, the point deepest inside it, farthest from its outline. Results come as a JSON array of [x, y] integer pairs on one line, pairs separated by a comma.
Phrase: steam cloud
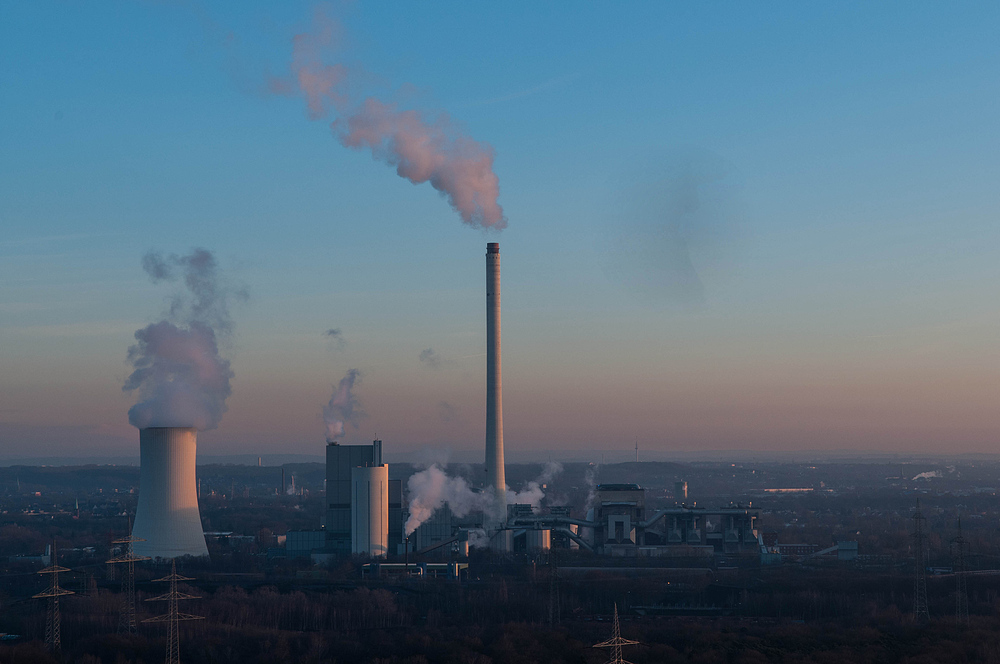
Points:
[[343, 406], [422, 147], [431, 489], [181, 378], [532, 493]]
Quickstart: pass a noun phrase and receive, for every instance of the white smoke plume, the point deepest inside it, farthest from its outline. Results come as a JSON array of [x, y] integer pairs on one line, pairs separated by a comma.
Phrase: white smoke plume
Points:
[[181, 377], [431, 489], [343, 406], [591, 478], [478, 539], [423, 147], [533, 492]]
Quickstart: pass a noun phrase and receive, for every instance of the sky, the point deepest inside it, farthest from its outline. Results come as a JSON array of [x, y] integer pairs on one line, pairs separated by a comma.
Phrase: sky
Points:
[[731, 226]]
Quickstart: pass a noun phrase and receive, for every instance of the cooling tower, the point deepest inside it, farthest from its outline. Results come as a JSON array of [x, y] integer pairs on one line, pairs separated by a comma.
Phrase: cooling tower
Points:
[[167, 516], [494, 386], [370, 510]]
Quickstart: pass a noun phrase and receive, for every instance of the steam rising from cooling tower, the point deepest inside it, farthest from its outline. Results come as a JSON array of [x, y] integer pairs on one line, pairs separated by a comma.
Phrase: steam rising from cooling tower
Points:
[[423, 147], [343, 406], [181, 377]]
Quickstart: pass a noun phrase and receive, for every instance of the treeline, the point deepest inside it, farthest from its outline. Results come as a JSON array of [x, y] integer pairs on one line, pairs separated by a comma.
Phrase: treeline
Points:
[[789, 615]]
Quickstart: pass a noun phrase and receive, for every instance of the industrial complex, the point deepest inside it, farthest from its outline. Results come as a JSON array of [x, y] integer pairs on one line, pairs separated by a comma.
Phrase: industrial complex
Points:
[[365, 511]]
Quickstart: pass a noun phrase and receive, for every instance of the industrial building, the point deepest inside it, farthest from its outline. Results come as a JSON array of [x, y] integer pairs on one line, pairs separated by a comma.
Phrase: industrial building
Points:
[[385, 509], [370, 511], [619, 525], [364, 508]]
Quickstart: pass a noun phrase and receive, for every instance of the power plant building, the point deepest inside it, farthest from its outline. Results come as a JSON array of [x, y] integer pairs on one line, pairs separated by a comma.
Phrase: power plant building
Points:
[[341, 460], [167, 519], [370, 510]]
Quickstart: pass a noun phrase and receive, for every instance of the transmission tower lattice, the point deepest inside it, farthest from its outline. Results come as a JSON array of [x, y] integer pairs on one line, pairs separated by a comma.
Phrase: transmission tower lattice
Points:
[[172, 616], [53, 628], [126, 619], [616, 642], [920, 611], [961, 581]]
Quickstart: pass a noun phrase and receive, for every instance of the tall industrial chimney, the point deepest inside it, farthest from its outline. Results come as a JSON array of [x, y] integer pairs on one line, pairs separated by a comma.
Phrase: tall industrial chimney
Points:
[[494, 386], [167, 516]]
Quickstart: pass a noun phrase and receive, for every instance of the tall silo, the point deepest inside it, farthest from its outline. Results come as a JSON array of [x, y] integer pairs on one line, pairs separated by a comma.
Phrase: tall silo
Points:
[[370, 510]]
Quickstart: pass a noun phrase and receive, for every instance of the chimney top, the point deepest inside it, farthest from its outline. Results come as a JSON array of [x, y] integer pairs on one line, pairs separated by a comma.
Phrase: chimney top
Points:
[[493, 247]]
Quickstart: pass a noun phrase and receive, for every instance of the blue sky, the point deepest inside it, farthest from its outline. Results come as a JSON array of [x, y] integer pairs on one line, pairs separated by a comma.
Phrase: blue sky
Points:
[[849, 269]]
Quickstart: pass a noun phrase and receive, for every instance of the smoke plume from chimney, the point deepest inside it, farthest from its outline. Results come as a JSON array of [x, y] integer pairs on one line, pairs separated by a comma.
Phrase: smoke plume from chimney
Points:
[[343, 406], [178, 371], [424, 147]]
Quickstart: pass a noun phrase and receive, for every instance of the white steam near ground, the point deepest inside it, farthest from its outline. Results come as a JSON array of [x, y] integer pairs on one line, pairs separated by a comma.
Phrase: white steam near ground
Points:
[[343, 407], [181, 378], [591, 479], [432, 488], [422, 146]]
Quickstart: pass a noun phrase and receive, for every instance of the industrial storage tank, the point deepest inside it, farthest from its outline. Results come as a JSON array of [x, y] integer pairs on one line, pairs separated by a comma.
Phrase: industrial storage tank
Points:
[[370, 510], [538, 539], [167, 515]]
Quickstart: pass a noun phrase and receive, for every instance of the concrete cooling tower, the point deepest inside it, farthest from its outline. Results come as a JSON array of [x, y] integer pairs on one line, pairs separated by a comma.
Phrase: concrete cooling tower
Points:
[[370, 510], [167, 516]]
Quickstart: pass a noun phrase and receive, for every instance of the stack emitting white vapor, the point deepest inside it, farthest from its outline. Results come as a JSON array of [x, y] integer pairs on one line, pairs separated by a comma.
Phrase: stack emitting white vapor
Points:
[[495, 478], [167, 515]]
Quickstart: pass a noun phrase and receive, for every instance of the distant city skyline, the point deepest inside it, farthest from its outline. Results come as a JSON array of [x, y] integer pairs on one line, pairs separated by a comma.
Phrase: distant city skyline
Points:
[[730, 227]]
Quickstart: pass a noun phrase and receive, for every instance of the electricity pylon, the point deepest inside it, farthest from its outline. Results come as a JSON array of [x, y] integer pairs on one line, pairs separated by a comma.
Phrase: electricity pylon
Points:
[[616, 642], [53, 627], [126, 619], [172, 616], [961, 582], [920, 612]]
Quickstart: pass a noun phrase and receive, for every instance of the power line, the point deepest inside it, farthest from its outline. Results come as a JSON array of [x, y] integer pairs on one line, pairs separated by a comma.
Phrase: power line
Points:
[[53, 622], [616, 642], [172, 616], [126, 619]]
